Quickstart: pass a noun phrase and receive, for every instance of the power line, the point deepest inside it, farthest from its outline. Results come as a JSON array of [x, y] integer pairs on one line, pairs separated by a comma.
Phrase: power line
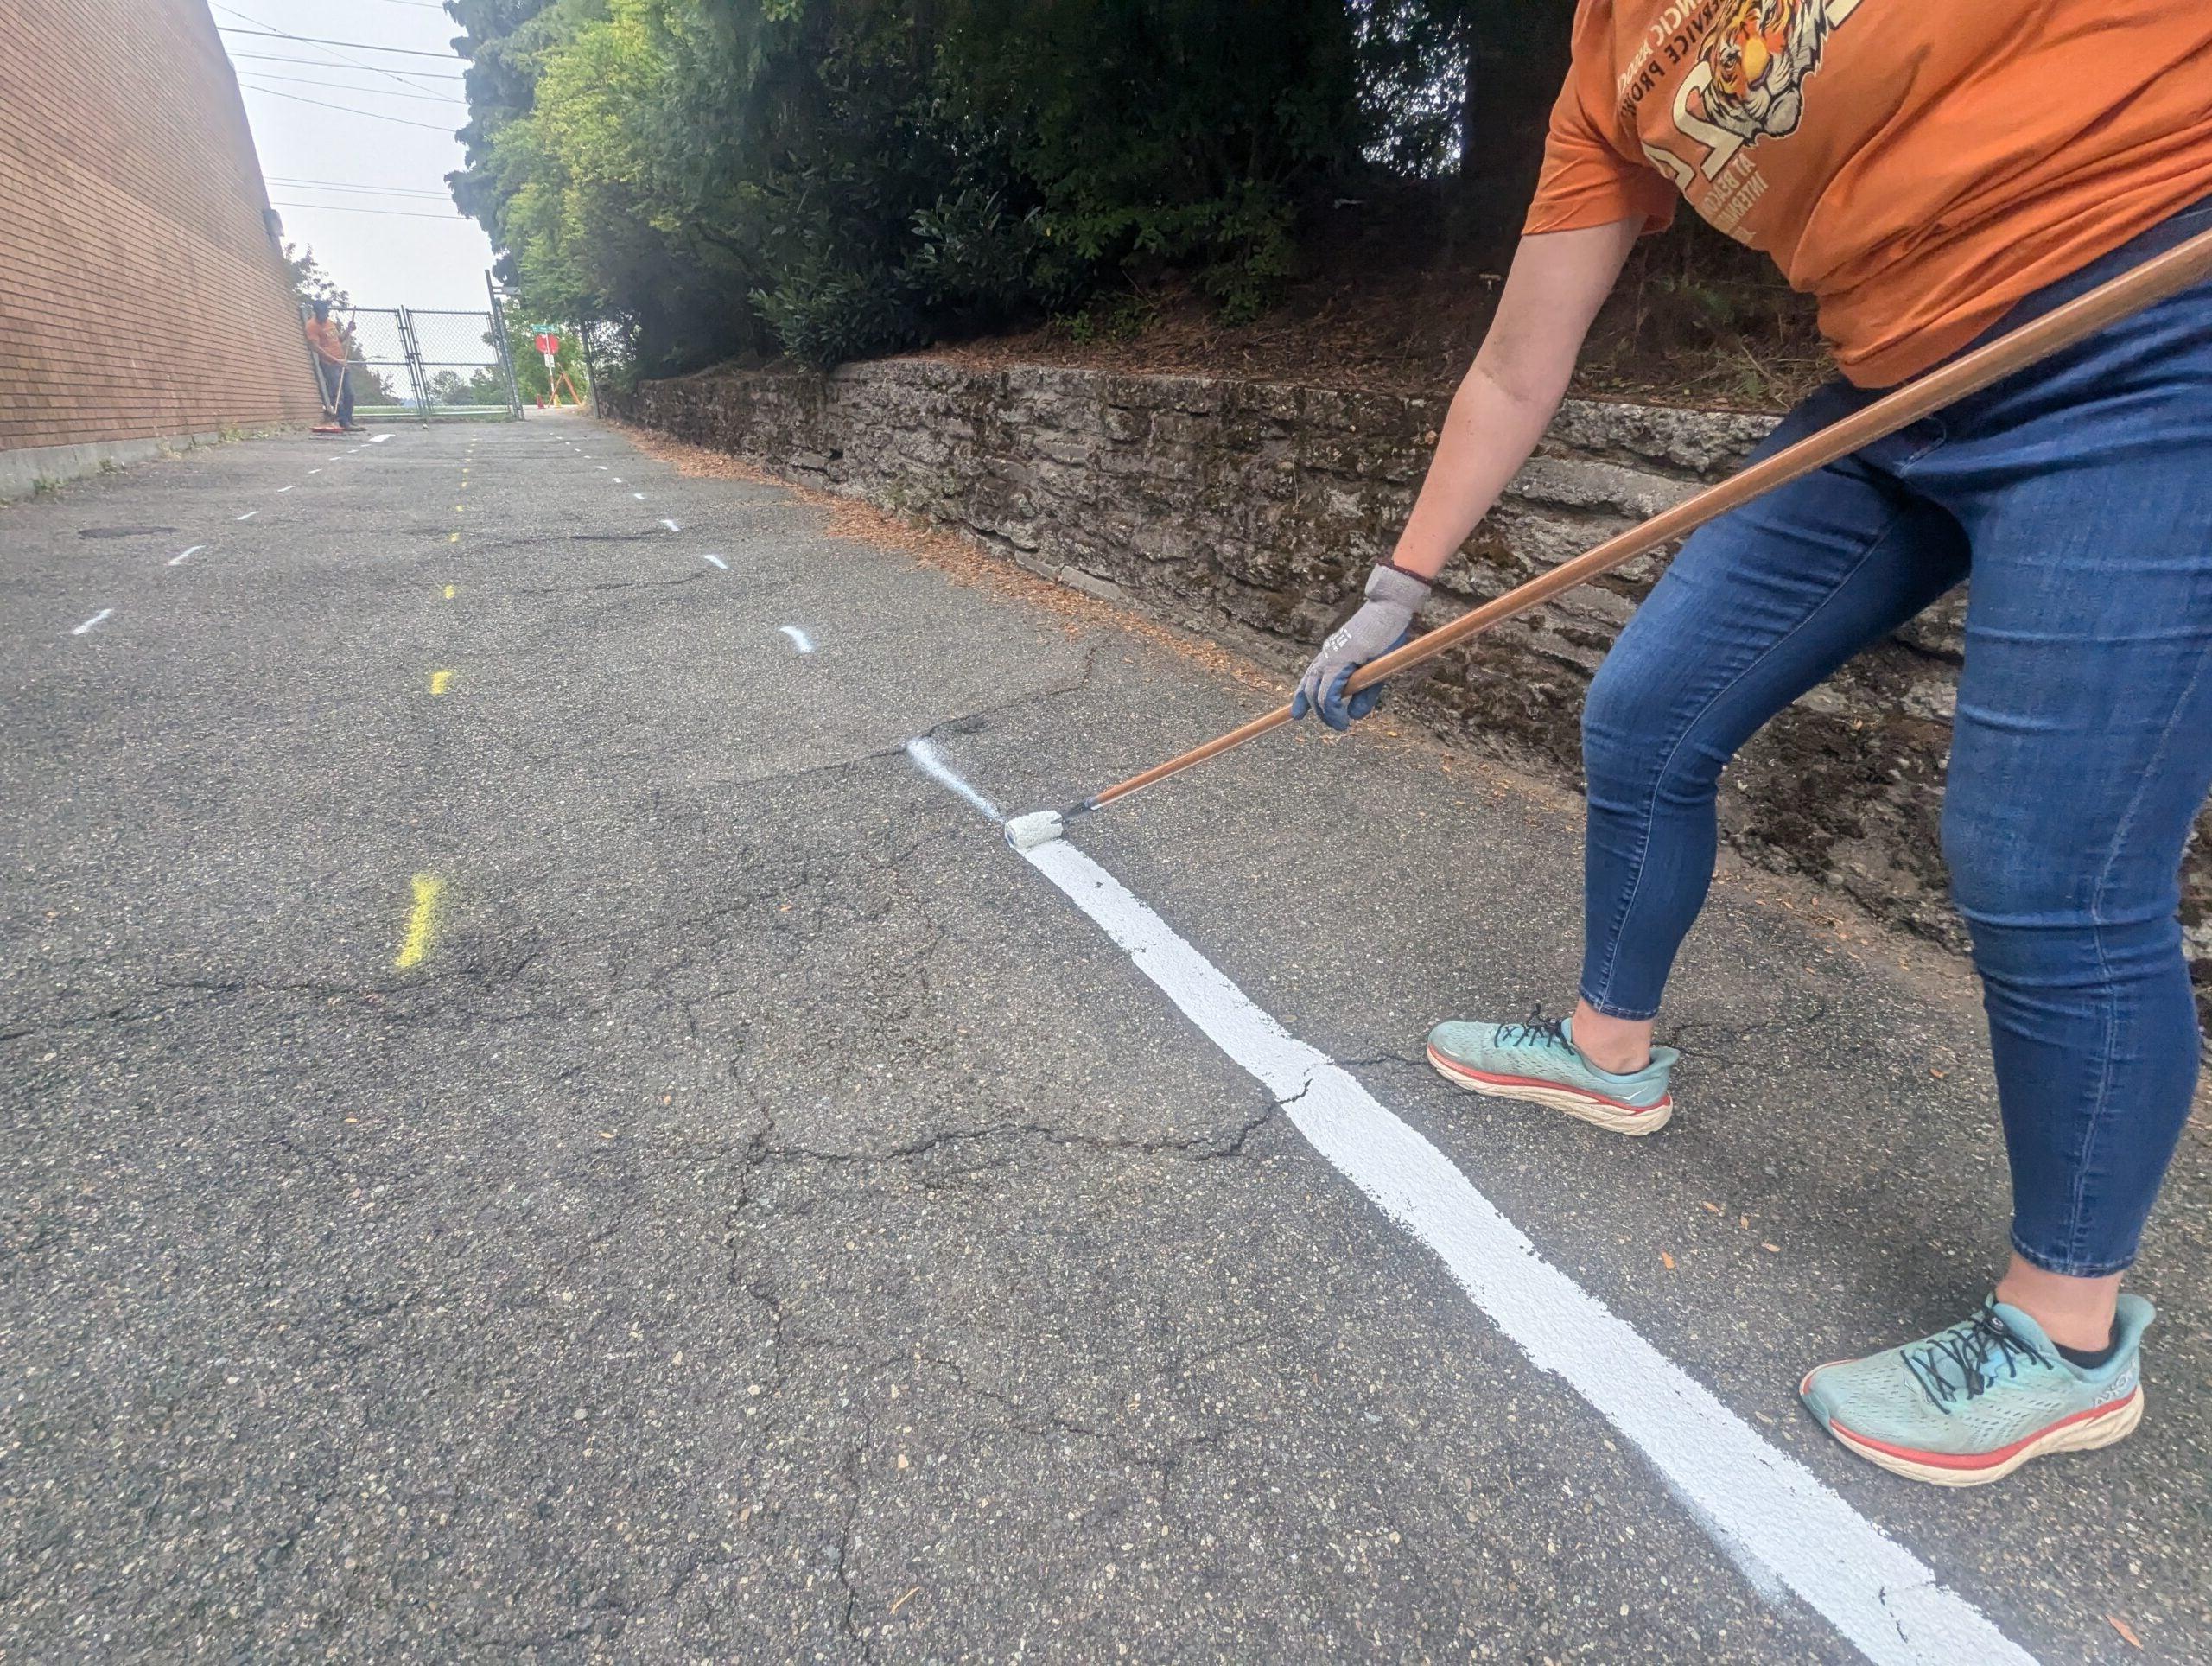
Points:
[[323, 40], [334, 63], [374, 115], [263, 23], [336, 185], [350, 86], [398, 213]]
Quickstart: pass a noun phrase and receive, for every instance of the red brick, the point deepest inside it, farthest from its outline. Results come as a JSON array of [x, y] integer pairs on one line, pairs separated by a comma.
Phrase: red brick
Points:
[[139, 295]]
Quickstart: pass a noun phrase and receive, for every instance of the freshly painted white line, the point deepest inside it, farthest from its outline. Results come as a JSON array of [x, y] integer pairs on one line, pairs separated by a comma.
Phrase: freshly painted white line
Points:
[[671, 526], [282, 490], [1760, 1503], [926, 758], [103, 613], [718, 561], [180, 559], [249, 514], [799, 638], [378, 439]]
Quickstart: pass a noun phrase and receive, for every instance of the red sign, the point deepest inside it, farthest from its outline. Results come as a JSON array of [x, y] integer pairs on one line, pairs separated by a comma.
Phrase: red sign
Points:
[[547, 342]]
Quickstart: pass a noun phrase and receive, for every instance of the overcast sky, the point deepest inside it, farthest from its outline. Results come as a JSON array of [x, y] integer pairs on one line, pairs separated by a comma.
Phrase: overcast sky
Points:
[[362, 186]]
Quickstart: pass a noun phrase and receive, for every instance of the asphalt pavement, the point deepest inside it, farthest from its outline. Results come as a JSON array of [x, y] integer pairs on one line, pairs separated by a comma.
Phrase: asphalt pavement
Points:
[[535, 1130]]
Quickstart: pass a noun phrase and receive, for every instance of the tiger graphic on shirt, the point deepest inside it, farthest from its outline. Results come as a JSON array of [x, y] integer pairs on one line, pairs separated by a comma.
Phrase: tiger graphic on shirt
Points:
[[1748, 63], [1755, 59]]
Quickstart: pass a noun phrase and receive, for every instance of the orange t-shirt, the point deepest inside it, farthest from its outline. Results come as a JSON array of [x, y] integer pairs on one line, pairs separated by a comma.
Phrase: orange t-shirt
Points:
[[324, 337], [1918, 165]]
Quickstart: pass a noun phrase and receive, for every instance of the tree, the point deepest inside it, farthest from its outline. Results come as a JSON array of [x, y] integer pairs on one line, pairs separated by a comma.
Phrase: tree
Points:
[[310, 283], [703, 178]]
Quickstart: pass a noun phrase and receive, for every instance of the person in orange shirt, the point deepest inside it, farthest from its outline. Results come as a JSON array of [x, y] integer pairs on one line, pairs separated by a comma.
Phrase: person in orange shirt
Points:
[[331, 355], [1933, 175]]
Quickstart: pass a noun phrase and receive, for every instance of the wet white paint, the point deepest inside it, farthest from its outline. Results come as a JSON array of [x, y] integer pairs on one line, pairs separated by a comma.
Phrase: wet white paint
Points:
[[249, 514], [799, 638], [1761, 1505], [925, 756], [183, 556], [104, 613], [718, 561]]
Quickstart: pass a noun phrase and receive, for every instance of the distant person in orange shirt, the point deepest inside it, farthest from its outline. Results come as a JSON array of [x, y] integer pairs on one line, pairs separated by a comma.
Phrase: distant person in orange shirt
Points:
[[331, 354], [1933, 175]]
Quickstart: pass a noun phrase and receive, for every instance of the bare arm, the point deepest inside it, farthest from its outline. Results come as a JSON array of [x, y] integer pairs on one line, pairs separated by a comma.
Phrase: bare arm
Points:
[[1557, 283]]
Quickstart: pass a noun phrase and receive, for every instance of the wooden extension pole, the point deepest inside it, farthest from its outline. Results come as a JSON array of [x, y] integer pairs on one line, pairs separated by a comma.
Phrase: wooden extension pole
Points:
[[2154, 280]]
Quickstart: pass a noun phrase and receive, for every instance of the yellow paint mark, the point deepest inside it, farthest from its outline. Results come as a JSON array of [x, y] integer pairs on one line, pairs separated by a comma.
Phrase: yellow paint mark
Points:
[[439, 680], [416, 944], [449, 591]]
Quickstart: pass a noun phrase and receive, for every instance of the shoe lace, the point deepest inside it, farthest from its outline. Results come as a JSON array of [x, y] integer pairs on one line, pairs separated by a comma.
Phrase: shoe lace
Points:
[[1535, 1031], [1973, 1349]]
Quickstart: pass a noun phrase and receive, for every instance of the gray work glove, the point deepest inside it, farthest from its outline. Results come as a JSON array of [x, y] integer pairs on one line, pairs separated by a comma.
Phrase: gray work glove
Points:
[[1385, 623]]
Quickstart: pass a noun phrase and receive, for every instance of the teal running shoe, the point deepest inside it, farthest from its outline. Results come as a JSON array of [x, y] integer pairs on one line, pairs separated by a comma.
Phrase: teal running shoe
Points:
[[1973, 1403], [1537, 1061]]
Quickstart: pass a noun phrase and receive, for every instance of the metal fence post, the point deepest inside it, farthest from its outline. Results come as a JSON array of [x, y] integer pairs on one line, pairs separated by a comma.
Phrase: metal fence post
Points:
[[507, 358], [416, 372]]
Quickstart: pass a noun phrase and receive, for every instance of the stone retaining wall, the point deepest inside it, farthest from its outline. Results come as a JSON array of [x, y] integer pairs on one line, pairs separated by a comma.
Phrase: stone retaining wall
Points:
[[1250, 512]]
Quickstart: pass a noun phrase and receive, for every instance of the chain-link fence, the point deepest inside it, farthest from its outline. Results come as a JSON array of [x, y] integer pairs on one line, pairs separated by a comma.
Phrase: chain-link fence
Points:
[[429, 365]]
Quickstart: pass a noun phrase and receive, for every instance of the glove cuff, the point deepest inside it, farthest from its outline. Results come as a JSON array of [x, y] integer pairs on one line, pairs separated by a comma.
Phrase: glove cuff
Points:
[[1395, 584]]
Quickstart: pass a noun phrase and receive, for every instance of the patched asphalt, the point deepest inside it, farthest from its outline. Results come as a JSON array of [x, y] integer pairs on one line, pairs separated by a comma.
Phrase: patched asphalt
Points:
[[769, 1223]]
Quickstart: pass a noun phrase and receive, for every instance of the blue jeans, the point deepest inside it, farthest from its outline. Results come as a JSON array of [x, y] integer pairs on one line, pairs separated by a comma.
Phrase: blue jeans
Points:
[[2079, 496]]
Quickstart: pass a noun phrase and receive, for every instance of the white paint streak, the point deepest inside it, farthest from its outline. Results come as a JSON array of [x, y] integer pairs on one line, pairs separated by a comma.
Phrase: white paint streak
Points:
[[671, 526], [179, 559], [602, 467], [639, 496], [282, 490], [1762, 1505], [799, 638], [249, 514], [314, 471], [104, 612], [718, 561], [378, 439], [926, 758], [617, 481]]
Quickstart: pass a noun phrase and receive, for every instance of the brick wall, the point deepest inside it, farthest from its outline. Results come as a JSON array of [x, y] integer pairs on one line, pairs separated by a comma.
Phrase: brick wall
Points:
[[141, 295]]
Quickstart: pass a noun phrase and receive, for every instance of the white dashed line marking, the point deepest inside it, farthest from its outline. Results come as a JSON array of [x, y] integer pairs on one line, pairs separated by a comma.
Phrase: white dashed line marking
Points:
[[639, 496], [617, 480], [104, 612], [1761, 1502], [282, 490], [179, 559], [380, 439], [314, 471], [602, 467], [799, 638], [718, 561], [249, 514]]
